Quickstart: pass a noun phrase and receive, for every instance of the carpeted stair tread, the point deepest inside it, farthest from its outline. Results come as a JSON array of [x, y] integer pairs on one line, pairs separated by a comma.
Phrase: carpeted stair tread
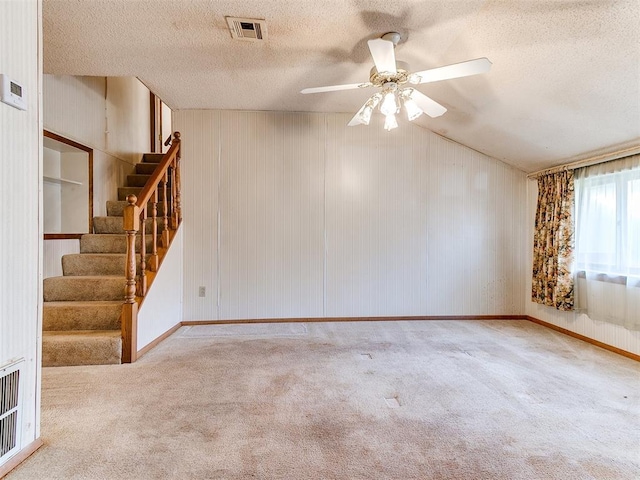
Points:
[[81, 347], [152, 157], [79, 264], [115, 225], [145, 168], [137, 180], [116, 208], [99, 315], [110, 243], [124, 192], [84, 288]]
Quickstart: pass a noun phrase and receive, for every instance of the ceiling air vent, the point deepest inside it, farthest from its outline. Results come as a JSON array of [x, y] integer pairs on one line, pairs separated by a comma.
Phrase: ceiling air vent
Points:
[[252, 29]]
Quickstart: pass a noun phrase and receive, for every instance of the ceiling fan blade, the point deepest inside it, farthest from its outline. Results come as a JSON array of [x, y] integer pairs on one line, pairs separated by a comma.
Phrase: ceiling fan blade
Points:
[[430, 107], [383, 55], [333, 88], [457, 70]]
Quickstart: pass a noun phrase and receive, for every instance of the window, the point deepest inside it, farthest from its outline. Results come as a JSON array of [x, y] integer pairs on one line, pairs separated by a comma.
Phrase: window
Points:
[[608, 222]]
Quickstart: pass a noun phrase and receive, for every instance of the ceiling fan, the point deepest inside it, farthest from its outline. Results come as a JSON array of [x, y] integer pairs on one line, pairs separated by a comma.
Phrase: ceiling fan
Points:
[[391, 76]]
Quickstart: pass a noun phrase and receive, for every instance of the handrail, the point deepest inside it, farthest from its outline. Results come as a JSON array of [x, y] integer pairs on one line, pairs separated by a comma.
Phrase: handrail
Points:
[[135, 215]]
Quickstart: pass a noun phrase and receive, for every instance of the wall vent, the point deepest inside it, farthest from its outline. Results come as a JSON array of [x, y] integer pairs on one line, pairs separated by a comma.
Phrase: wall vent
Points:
[[9, 410], [252, 29]]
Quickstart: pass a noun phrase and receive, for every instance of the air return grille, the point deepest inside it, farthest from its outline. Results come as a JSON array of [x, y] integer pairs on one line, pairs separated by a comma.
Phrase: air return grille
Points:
[[252, 29], [9, 409]]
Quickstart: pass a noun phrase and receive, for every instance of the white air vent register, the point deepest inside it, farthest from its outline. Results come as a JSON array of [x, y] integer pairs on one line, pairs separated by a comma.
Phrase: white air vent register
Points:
[[10, 410], [252, 29]]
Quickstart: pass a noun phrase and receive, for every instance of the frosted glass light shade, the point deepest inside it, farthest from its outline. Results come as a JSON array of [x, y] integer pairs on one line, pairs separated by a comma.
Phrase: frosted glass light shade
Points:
[[413, 110], [389, 105], [390, 122]]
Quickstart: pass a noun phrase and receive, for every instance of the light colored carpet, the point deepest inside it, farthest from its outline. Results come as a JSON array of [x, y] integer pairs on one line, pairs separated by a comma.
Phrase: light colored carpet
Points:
[[379, 400]]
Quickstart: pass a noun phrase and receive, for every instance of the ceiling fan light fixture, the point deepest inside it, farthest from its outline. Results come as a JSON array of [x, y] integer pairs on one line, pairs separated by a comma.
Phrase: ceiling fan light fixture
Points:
[[390, 122], [391, 76]]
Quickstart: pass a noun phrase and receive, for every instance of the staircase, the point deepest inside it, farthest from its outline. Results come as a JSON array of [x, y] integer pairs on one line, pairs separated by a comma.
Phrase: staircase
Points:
[[82, 308]]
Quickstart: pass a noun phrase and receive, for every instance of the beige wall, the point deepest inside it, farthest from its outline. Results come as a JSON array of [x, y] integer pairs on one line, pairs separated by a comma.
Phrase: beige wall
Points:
[[294, 215], [108, 114], [21, 200]]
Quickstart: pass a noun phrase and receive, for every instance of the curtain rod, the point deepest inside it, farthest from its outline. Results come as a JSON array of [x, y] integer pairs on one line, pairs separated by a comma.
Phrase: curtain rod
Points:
[[588, 161]]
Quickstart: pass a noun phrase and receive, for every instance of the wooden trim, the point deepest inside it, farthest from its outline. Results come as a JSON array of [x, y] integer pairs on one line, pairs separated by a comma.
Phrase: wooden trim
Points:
[[91, 191], [152, 120], [158, 340], [596, 343], [20, 457], [66, 141], [352, 319], [63, 236]]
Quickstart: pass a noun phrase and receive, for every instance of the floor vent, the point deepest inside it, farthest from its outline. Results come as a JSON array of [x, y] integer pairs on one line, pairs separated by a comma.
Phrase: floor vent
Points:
[[252, 29], [9, 410]]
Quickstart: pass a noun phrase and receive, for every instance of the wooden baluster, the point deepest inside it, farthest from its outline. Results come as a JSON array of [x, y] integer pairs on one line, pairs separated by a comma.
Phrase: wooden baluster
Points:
[[142, 278], [176, 138], [174, 217], [165, 214], [129, 318], [154, 261]]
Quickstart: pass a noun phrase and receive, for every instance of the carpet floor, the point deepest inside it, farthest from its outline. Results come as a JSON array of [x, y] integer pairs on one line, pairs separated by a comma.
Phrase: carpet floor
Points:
[[356, 400]]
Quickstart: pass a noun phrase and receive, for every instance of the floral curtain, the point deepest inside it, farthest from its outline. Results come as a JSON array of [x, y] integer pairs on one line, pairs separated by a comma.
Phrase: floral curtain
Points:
[[553, 242]]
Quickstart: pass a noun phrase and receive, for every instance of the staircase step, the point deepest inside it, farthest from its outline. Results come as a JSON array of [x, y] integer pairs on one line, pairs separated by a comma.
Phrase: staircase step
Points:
[[83, 264], [137, 180], [81, 315], [85, 288], [115, 225], [145, 168], [116, 208], [152, 157], [124, 192], [81, 347], [109, 243]]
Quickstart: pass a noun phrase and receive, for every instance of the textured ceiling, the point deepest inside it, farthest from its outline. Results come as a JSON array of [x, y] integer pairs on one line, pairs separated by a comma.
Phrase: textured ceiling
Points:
[[565, 81]]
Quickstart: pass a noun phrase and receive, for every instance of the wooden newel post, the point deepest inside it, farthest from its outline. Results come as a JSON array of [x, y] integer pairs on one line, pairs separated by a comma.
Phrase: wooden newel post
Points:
[[130, 308], [178, 207]]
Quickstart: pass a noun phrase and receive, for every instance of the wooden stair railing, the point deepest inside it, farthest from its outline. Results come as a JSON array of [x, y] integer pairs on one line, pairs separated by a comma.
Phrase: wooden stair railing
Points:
[[165, 177]]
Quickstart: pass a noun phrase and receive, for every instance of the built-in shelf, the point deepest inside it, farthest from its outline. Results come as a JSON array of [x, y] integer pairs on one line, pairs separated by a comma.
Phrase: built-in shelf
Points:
[[60, 180]]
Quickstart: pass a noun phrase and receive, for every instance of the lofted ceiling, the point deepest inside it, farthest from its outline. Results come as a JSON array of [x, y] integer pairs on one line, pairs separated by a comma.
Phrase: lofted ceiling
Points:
[[565, 81]]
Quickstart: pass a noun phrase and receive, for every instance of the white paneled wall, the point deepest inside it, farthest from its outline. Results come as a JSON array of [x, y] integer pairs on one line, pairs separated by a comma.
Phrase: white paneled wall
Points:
[[74, 107], [53, 250], [376, 221], [200, 132], [127, 118], [109, 173], [21, 200], [296, 215], [110, 114], [271, 215], [614, 335]]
